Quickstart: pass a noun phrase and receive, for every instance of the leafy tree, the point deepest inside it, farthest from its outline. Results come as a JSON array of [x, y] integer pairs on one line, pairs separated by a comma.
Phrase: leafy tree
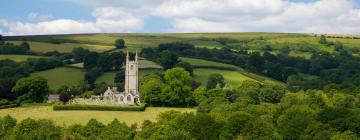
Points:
[[293, 122], [168, 59], [260, 129], [25, 45], [7, 123], [151, 92], [103, 61], [32, 89], [271, 94], [92, 129], [120, 76], [343, 100], [215, 80], [178, 86], [79, 53], [323, 39], [187, 66], [116, 60], [119, 43], [64, 97], [317, 131], [1, 38], [92, 74], [116, 130], [347, 135], [90, 60]]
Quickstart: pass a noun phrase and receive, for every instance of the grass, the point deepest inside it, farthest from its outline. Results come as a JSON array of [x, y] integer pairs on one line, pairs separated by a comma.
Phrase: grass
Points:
[[202, 63], [239, 71], [64, 47], [18, 58], [61, 76], [233, 78], [66, 118], [108, 77]]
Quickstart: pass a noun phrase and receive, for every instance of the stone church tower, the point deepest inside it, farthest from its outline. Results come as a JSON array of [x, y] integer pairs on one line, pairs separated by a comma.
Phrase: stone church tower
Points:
[[131, 75]]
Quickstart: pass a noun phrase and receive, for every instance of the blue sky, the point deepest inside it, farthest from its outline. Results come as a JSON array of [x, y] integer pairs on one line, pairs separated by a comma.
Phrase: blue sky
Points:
[[24, 17]]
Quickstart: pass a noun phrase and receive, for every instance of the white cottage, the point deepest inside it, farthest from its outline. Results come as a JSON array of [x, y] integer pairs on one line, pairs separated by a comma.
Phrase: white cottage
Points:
[[130, 96]]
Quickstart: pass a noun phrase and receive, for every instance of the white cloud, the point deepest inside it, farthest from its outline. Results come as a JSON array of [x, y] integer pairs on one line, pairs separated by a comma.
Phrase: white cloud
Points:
[[107, 19], [322, 16], [37, 17], [111, 19], [63, 26]]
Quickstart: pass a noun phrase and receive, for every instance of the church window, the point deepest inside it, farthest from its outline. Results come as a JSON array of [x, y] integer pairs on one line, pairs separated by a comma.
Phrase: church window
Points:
[[131, 67], [129, 98], [121, 98]]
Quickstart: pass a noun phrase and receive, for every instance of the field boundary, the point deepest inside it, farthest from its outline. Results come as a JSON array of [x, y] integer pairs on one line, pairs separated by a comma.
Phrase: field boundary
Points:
[[99, 107]]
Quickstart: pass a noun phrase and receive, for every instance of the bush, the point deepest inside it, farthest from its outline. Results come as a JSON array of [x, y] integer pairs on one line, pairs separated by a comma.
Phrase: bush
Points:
[[99, 107]]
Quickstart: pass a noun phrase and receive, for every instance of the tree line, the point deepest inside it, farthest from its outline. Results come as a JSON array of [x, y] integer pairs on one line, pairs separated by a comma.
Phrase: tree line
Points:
[[338, 70]]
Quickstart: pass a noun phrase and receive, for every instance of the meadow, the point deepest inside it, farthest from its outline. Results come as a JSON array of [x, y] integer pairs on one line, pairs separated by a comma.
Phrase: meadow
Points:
[[64, 47], [235, 74], [66, 118], [18, 58], [233, 78], [61, 76]]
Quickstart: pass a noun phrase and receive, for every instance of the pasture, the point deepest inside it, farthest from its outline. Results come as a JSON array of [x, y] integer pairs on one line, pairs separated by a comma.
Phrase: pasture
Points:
[[61, 76], [233, 78], [18, 58], [64, 47], [66, 118]]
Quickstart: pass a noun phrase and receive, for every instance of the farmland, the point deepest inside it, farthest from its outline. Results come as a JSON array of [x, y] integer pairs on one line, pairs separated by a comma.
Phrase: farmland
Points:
[[66, 118], [61, 76], [18, 58]]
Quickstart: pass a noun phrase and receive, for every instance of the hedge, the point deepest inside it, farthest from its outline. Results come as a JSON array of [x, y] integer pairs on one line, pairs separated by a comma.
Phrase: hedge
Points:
[[99, 107], [8, 106]]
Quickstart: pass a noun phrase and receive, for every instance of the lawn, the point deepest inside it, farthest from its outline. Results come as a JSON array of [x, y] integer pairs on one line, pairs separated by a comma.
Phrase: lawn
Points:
[[64, 47], [66, 118], [61, 76], [18, 58], [233, 78]]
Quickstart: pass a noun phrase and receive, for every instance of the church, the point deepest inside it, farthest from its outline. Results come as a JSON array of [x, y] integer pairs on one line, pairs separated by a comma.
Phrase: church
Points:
[[130, 95]]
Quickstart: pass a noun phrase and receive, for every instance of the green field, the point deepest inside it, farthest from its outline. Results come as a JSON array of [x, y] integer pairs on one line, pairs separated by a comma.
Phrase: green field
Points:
[[108, 77], [240, 74], [64, 47], [18, 58], [205, 63], [61, 76], [66, 118], [233, 78]]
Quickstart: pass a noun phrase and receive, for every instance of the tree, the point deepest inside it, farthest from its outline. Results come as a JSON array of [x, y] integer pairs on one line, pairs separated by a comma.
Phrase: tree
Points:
[[119, 43], [323, 39], [187, 66], [168, 59], [104, 62], [32, 89], [178, 87], [7, 123], [293, 122], [120, 76], [116, 130], [260, 129], [1, 38], [151, 92], [215, 80], [90, 60], [79, 53], [92, 74], [64, 97], [25, 45]]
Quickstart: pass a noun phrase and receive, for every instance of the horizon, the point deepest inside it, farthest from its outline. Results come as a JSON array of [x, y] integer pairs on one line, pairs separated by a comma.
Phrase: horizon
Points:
[[46, 17]]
